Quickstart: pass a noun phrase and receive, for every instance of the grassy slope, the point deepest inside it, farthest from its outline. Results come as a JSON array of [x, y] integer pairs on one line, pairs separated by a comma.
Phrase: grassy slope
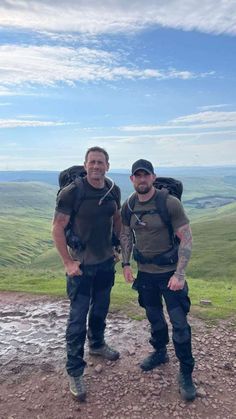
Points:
[[214, 250], [25, 221], [30, 263], [195, 187], [19, 198]]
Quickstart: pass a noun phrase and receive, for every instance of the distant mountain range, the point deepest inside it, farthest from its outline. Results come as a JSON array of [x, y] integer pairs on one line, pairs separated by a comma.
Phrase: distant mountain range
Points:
[[51, 177]]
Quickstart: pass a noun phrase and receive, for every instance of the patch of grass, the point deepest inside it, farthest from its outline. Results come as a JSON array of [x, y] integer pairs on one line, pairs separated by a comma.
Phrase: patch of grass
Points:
[[222, 294], [19, 198], [34, 282], [214, 246], [23, 238]]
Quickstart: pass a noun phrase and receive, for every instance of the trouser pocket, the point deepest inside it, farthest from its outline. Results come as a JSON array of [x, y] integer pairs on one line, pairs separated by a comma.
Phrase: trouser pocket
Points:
[[148, 296], [72, 286], [184, 299]]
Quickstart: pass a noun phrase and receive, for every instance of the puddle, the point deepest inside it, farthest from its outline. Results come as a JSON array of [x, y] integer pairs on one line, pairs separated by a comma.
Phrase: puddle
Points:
[[33, 333]]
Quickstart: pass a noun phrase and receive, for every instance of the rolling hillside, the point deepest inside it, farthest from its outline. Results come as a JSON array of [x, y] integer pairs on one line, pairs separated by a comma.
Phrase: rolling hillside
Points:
[[26, 211], [26, 198], [214, 250]]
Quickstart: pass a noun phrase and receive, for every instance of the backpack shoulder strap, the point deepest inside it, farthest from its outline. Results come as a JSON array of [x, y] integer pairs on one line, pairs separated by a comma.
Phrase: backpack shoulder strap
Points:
[[112, 190], [80, 193], [161, 206], [127, 208]]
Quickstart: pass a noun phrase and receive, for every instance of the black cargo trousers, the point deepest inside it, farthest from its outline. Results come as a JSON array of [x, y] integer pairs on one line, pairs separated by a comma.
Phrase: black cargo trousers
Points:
[[151, 288], [89, 295]]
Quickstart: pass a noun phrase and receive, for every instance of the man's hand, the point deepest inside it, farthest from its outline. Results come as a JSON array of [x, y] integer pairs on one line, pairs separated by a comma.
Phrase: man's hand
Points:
[[128, 274], [176, 283], [73, 268]]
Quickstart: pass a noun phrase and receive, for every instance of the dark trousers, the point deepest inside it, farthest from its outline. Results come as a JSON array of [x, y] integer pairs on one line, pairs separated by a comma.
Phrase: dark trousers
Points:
[[151, 289], [89, 296]]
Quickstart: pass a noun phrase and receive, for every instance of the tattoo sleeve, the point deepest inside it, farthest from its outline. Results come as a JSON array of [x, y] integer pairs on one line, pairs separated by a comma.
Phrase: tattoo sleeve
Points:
[[126, 242], [185, 248]]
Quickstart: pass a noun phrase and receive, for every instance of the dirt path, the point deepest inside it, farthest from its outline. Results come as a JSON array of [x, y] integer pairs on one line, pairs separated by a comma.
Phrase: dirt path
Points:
[[33, 383]]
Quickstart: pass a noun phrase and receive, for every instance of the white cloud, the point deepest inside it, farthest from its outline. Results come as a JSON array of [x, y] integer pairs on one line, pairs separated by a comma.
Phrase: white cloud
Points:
[[48, 65], [208, 107], [189, 137], [210, 119], [16, 91], [163, 150], [171, 150], [99, 16], [17, 123]]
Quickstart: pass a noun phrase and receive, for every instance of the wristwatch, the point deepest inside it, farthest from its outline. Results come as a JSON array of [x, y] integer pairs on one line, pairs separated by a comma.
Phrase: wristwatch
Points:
[[123, 264]]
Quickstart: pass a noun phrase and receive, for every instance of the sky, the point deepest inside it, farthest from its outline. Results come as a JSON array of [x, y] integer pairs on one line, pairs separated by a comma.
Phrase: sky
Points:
[[144, 79]]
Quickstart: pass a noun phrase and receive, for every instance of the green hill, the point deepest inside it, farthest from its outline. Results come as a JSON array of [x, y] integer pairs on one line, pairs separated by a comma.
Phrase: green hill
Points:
[[214, 251], [30, 263], [21, 198], [47, 260], [26, 211]]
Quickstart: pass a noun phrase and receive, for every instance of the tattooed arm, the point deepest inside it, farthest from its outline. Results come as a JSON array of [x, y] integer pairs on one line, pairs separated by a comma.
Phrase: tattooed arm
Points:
[[126, 242], [60, 221], [185, 249]]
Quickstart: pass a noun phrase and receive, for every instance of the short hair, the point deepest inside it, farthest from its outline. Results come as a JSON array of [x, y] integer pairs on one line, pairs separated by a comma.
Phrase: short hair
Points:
[[100, 150]]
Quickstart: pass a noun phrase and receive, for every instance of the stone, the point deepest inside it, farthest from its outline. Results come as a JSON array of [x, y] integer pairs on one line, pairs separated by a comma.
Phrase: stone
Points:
[[201, 392], [98, 368], [206, 302]]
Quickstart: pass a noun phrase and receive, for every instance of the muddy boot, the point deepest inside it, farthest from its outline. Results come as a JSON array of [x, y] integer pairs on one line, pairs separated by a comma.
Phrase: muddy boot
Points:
[[77, 387], [186, 387], [105, 352], [154, 360]]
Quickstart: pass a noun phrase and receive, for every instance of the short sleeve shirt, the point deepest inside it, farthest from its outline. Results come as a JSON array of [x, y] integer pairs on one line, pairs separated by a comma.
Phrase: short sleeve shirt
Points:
[[152, 238], [93, 222]]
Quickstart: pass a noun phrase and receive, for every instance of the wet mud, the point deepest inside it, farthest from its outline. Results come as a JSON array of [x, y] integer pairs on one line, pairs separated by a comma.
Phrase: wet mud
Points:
[[33, 382], [32, 333]]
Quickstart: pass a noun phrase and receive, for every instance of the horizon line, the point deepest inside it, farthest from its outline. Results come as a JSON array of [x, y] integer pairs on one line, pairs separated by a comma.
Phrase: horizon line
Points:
[[128, 169]]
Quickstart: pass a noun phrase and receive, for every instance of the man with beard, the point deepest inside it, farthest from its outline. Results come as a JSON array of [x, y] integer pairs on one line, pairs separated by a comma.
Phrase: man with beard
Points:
[[159, 276], [90, 267]]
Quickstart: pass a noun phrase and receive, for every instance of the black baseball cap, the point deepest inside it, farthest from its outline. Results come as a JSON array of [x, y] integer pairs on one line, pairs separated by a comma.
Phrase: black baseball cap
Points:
[[143, 165]]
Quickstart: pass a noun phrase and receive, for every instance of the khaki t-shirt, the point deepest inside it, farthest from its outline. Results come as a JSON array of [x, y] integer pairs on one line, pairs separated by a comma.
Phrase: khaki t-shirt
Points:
[[153, 238], [93, 223]]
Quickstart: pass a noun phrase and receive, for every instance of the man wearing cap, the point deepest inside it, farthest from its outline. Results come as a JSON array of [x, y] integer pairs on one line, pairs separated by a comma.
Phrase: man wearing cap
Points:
[[165, 278]]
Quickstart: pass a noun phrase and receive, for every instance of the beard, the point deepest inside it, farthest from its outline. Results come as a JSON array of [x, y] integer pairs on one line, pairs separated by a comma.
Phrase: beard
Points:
[[143, 189]]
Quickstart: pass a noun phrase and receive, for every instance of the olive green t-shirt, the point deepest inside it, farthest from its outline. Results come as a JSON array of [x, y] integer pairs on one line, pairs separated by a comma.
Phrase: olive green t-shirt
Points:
[[153, 238], [93, 223]]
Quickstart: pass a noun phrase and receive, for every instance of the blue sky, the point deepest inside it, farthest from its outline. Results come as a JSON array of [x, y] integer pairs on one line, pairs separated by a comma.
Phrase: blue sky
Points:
[[151, 80]]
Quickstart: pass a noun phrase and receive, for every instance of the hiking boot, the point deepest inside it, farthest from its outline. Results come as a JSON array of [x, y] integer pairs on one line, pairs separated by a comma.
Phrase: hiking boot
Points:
[[186, 387], [155, 359], [77, 387], [105, 352]]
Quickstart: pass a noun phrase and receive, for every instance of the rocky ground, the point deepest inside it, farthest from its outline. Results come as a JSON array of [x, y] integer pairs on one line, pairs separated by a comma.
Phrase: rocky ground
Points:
[[33, 383]]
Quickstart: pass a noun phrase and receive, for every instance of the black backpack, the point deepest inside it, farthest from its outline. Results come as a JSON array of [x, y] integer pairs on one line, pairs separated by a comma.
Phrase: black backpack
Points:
[[166, 186], [69, 175], [77, 174], [174, 186]]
